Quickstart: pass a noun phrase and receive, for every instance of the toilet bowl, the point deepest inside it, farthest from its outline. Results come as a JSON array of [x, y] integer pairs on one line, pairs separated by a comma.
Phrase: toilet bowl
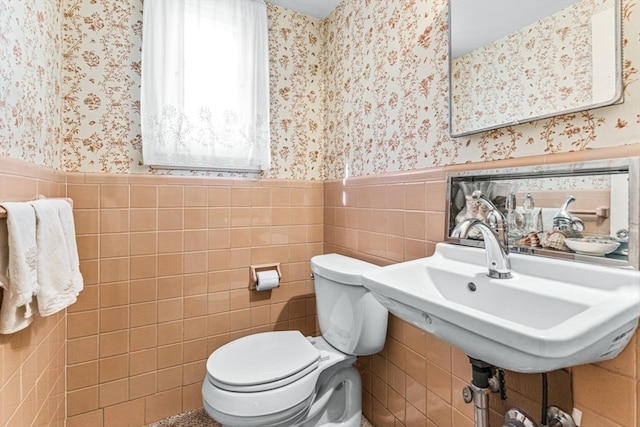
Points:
[[283, 378]]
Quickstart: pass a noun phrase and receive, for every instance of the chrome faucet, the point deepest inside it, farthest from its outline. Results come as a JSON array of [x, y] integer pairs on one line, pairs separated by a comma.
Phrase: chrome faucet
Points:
[[495, 219], [498, 261], [563, 220]]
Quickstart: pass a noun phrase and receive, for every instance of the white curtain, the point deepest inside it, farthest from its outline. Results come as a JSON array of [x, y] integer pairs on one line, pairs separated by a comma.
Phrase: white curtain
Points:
[[205, 85]]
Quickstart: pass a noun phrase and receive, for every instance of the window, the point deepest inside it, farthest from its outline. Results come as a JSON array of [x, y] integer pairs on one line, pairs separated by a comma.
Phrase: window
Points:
[[205, 85]]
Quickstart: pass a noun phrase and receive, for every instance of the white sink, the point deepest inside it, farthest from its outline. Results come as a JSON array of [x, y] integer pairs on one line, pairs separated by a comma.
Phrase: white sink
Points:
[[551, 314]]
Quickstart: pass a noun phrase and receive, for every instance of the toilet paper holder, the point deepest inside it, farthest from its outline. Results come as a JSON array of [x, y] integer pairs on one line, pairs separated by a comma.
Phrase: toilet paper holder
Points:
[[262, 267]]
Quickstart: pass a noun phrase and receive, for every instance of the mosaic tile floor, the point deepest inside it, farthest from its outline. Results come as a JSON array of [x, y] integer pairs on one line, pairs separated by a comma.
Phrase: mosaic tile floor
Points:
[[199, 418]]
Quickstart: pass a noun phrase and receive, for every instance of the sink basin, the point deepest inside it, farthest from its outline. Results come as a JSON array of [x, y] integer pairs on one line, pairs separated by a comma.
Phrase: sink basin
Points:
[[551, 314]]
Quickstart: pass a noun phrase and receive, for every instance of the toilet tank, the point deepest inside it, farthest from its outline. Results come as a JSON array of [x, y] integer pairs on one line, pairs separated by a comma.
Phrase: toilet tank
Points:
[[350, 318]]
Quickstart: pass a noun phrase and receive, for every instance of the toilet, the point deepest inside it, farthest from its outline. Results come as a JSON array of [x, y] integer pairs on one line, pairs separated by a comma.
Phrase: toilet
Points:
[[286, 379]]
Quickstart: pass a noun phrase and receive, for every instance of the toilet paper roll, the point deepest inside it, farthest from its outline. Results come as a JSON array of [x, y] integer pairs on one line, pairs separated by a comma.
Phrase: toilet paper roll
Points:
[[267, 280]]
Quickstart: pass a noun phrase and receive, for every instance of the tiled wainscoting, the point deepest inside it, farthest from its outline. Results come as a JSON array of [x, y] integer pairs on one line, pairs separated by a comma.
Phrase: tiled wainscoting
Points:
[[166, 262], [32, 361]]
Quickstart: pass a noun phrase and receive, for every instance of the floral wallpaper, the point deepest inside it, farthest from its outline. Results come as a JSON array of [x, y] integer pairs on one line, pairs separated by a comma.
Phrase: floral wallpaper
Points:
[[297, 102], [30, 83], [387, 95], [542, 68], [386, 87], [101, 80], [364, 91]]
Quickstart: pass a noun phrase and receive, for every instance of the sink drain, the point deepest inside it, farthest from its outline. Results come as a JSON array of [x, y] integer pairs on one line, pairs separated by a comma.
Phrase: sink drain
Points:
[[472, 286]]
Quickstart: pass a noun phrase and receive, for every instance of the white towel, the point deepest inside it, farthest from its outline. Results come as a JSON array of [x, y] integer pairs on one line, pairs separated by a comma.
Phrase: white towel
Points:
[[59, 284], [18, 273], [65, 213]]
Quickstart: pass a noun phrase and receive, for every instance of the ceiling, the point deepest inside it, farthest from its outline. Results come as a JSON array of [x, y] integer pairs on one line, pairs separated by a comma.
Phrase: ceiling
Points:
[[476, 23], [316, 8]]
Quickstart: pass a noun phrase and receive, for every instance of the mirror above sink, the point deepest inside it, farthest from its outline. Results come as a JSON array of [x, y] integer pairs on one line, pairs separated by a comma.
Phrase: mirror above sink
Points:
[[602, 197], [516, 61]]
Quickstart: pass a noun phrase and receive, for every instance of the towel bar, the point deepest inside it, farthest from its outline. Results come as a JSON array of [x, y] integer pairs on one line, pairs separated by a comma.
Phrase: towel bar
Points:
[[3, 212]]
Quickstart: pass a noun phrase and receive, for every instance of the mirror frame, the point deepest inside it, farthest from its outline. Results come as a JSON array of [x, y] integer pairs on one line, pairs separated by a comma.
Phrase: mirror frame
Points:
[[630, 165], [617, 98]]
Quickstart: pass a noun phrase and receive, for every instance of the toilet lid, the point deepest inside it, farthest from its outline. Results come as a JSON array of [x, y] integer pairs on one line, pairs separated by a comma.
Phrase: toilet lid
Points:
[[262, 361]]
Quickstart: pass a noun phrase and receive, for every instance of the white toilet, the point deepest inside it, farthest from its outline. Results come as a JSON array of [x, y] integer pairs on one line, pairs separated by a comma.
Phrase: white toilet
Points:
[[285, 379]]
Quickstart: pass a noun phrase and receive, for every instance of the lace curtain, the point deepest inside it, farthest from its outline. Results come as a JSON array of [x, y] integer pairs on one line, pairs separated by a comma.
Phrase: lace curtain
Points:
[[205, 85]]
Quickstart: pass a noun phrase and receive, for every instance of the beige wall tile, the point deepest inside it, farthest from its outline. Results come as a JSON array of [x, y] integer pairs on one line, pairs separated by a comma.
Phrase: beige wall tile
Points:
[[605, 393], [93, 418], [170, 309], [145, 243], [114, 319], [143, 314], [170, 287], [170, 219], [86, 221], [82, 401], [195, 196], [88, 246], [142, 385], [114, 196], [195, 218], [124, 414], [82, 375], [82, 324], [144, 219], [195, 284], [162, 405], [114, 270], [114, 220], [169, 355], [114, 392], [114, 343], [144, 196], [114, 368], [170, 333], [82, 349], [169, 378], [114, 294], [114, 245], [87, 300], [170, 196], [144, 337], [143, 361]]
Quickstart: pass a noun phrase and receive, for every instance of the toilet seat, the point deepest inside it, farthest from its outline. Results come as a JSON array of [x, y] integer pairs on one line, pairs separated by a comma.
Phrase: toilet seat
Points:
[[284, 357], [245, 383]]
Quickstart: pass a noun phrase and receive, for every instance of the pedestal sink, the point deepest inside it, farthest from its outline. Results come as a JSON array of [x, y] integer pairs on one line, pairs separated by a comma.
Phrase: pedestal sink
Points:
[[551, 314]]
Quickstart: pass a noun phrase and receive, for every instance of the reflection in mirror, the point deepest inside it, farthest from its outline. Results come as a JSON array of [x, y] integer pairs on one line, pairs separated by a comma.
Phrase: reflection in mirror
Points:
[[567, 60], [586, 211]]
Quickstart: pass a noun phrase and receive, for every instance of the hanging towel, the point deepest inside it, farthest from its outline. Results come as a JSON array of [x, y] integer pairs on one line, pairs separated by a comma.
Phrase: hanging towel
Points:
[[58, 284], [65, 213], [18, 272]]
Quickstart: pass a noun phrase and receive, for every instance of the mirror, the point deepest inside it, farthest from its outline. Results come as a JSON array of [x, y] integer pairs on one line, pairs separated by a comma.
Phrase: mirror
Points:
[[514, 61], [599, 222]]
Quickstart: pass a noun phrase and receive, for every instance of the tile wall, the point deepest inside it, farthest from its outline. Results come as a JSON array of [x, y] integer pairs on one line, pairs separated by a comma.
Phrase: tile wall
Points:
[[417, 379], [32, 361], [166, 268]]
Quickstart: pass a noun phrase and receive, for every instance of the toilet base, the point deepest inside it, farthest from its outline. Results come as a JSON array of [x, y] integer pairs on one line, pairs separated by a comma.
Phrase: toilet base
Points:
[[338, 401], [281, 419]]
